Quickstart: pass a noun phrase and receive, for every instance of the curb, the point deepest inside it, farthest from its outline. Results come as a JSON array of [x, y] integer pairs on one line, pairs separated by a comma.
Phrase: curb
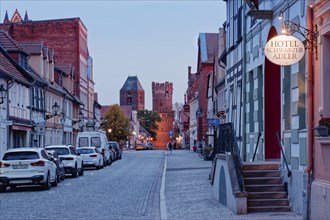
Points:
[[163, 213]]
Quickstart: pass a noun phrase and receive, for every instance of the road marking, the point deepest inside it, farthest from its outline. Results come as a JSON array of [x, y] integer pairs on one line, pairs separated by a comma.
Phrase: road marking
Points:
[[68, 184], [163, 213]]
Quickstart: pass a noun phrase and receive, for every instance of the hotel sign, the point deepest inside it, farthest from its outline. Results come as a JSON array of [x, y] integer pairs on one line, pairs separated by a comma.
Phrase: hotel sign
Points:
[[284, 50]]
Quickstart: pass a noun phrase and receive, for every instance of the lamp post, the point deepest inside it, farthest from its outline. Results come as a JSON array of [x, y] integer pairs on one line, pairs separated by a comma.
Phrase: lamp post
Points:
[[3, 93], [81, 120]]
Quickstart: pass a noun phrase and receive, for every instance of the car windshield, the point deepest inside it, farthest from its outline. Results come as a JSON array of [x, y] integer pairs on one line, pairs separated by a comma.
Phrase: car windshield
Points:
[[23, 155], [113, 145], [60, 151], [85, 151]]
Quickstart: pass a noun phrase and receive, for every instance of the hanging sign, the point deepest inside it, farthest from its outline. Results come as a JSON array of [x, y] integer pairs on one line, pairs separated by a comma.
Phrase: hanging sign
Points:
[[284, 50]]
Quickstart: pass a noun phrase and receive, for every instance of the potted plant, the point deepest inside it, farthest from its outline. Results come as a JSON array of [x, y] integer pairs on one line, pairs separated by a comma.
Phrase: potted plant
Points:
[[324, 127]]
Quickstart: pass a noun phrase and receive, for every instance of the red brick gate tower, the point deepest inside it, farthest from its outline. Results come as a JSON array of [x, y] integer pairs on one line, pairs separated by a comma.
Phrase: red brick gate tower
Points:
[[162, 104]]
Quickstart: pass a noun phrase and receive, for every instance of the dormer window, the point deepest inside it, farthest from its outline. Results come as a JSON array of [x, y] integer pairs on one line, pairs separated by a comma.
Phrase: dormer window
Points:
[[23, 60]]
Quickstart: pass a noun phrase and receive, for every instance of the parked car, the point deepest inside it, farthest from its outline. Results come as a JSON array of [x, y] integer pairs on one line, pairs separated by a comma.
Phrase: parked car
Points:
[[60, 171], [27, 166], [95, 139], [91, 156], [117, 148], [112, 152], [149, 146], [140, 146], [73, 163]]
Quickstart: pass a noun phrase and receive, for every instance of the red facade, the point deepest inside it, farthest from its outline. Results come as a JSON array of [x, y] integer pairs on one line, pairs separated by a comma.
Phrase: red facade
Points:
[[162, 104], [68, 37]]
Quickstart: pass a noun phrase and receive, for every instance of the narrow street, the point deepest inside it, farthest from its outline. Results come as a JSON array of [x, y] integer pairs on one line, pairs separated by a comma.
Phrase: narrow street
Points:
[[131, 188]]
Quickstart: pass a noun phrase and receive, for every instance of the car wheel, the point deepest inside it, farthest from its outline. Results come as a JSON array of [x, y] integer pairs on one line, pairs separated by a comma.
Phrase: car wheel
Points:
[[75, 172], [58, 176], [98, 166], [110, 161], [46, 185], [3, 188], [104, 163], [63, 176], [81, 172], [54, 184]]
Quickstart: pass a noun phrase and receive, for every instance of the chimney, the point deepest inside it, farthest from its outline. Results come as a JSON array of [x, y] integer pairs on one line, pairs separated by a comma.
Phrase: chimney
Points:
[[96, 97]]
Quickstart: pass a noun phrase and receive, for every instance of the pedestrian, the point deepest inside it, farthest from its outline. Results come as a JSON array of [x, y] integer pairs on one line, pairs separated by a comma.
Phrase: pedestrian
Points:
[[170, 146], [174, 146]]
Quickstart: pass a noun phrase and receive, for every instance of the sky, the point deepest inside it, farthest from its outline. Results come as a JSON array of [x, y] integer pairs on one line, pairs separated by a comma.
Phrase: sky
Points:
[[153, 40]]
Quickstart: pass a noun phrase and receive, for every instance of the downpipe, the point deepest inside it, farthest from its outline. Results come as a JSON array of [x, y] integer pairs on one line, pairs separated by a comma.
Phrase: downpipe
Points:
[[310, 114]]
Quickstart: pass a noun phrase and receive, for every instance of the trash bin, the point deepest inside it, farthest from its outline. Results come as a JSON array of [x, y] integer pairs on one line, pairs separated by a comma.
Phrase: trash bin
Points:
[[194, 148]]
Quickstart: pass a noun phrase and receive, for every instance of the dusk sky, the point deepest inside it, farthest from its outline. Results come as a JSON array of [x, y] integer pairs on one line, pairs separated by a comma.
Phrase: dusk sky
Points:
[[154, 40]]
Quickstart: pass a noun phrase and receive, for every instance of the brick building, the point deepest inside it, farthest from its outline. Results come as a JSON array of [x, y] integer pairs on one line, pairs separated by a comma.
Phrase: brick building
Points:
[[132, 93], [207, 48], [162, 104], [69, 38]]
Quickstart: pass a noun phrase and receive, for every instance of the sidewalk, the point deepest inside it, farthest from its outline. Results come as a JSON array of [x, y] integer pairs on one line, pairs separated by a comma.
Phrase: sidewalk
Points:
[[188, 192]]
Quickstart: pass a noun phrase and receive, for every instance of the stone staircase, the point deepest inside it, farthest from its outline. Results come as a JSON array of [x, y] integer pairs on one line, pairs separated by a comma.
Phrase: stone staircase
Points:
[[266, 191]]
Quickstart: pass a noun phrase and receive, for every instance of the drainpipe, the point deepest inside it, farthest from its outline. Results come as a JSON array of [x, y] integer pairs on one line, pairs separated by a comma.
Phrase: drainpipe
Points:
[[310, 109], [243, 85], [310, 97]]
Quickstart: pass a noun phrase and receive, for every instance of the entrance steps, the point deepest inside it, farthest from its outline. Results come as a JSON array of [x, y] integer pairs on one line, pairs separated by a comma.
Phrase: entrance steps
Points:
[[264, 184]]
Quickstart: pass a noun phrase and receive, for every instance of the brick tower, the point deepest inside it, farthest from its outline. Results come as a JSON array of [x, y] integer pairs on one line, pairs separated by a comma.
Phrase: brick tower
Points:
[[132, 93], [162, 104]]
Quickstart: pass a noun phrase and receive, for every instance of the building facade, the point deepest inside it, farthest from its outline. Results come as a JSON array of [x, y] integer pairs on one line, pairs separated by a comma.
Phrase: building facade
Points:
[[162, 104], [132, 93], [69, 38]]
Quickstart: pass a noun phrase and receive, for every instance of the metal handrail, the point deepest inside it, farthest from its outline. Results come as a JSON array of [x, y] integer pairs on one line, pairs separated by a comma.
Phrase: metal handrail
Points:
[[255, 150], [286, 163]]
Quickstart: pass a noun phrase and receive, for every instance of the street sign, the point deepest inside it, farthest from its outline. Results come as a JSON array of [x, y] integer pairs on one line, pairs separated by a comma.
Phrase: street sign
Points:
[[213, 122], [6, 122], [170, 133]]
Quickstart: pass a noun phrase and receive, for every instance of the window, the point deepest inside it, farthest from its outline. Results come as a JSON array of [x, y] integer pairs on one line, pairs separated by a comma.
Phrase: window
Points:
[[83, 142], [25, 155], [95, 142], [72, 151], [44, 155]]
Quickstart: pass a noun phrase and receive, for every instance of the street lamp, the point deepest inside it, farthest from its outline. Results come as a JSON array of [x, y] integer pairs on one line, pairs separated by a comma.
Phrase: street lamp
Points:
[[110, 130], [55, 109], [3, 92]]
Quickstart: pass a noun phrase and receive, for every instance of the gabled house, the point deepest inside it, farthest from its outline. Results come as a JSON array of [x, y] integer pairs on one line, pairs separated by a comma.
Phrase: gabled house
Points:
[[17, 104]]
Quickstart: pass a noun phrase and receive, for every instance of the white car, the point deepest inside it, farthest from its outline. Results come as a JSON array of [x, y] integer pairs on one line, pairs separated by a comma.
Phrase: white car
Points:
[[91, 157], [95, 139], [73, 163], [27, 166]]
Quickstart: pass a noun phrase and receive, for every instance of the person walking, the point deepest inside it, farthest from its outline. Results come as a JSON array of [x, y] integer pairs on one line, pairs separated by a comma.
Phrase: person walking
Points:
[[170, 146]]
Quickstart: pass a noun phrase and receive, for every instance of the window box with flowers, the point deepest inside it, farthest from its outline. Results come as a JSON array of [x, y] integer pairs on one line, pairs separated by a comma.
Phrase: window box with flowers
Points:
[[324, 127]]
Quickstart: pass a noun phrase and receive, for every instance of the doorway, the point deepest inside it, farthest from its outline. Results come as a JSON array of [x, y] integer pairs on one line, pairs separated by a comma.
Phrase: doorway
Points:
[[272, 106]]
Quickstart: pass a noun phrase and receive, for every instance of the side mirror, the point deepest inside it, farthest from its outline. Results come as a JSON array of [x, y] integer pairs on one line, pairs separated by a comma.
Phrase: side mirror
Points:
[[78, 154], [52, 159]]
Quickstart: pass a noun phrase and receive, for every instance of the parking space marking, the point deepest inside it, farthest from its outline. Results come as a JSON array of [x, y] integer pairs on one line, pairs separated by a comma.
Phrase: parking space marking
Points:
[[68, 184]]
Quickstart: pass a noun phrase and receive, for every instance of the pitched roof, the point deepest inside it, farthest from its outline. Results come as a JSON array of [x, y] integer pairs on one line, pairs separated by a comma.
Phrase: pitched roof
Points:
[[34, 48], [6, 20], [64, 68], [208, 45], [9, 44], [9, 67], [132, 84]]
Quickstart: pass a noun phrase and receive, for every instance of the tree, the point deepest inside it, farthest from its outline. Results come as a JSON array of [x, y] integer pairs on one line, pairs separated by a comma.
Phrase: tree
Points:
[[148, 120], [116, 124]]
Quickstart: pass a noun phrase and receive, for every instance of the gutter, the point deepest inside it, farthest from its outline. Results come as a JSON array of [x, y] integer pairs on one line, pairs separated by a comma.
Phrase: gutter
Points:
[[243, 86]]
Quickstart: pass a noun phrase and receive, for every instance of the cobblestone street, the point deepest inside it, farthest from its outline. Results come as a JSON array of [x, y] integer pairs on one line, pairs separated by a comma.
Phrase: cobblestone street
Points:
[[188, 191]]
